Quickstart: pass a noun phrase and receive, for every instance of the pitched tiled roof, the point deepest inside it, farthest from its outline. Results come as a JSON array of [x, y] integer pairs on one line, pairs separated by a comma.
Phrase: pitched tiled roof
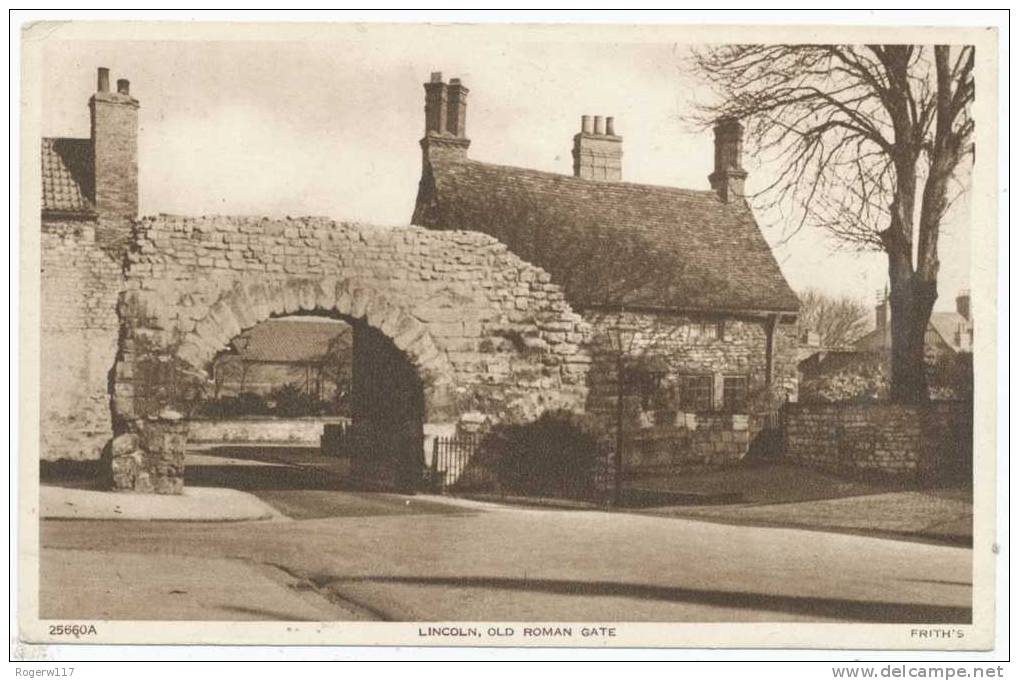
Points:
[[293, 341], [68, 179], [954, 329], [873, 341], [723, 261]]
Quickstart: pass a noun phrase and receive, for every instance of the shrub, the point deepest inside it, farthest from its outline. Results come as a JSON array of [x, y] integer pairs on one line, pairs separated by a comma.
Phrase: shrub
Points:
[[864, 379], [245, 404], [286, 401], [950, 377], [289, 400], [556, 455]]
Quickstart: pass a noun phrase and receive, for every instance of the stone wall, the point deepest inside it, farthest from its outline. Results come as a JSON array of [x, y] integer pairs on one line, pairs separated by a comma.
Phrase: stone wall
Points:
[[496, 323], [694, 441], [486, 332], [305, 431], [929, 441], [79, 330]]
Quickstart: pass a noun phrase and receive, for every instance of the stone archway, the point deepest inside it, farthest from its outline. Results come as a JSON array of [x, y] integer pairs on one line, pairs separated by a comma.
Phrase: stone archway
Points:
[[489, 335]]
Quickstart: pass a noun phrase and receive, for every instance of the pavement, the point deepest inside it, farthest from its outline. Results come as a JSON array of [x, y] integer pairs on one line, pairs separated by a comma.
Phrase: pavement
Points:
[[138, 586], [776, 494], [907, 514], [762, 482], [203, 504]]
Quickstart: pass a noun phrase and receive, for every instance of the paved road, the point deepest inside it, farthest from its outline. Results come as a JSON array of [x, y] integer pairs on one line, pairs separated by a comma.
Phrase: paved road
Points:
[[392, 557]]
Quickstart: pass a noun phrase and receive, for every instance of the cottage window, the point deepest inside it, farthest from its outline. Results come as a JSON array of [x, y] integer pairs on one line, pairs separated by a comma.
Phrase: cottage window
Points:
[[695, 393], [734, 393], [646, 384], [708, 330]]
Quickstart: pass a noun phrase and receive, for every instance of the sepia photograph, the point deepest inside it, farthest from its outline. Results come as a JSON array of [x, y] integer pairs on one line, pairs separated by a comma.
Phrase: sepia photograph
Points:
[[508, 335]]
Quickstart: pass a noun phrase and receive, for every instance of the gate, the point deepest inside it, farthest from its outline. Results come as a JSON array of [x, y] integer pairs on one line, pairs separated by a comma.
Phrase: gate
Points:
[[454, 464], [769, 442]]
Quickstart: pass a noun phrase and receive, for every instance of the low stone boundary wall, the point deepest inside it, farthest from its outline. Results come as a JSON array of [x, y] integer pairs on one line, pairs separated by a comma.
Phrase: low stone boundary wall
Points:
[[693, 441], [305, 431], [927, 441]]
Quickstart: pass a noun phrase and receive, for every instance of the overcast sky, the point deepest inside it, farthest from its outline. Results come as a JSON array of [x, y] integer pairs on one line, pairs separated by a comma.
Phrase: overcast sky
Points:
[[331, 127]]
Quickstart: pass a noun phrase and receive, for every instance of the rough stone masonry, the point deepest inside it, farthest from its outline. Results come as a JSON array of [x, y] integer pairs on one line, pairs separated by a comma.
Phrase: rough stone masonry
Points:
[[486, 331]]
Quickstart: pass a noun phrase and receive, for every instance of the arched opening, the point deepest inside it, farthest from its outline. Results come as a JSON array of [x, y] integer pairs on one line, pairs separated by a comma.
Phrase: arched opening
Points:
[[400, 384], [280, 390]]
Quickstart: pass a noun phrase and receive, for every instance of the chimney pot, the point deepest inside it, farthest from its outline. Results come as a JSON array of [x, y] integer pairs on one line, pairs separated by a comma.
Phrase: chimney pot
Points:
[[456, 109], [124, 86], [610, 125], [597, 156], [104, 80]]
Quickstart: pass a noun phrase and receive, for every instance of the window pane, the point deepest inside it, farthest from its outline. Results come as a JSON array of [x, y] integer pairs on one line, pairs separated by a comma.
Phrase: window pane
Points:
[[734, 393], [696, 393]]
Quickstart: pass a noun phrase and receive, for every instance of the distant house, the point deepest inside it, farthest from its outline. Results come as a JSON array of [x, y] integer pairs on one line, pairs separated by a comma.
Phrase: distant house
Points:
[[692, 263], [313, 355], [948, 333], [861, 372]]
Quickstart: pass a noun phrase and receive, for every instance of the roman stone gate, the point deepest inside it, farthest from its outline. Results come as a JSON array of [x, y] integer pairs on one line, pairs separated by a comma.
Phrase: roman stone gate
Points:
[[479, 332]]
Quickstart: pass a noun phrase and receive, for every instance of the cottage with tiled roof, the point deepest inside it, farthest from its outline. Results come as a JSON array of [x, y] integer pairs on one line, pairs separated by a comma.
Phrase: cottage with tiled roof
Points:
[[687, 273]]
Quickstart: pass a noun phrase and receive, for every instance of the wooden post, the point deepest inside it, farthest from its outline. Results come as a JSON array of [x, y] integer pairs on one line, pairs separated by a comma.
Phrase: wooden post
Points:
[[618, 490], [769, 349]]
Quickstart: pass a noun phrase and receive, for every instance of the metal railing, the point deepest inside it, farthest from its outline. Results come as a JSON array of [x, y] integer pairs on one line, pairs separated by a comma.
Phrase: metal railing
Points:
[[454, 464]]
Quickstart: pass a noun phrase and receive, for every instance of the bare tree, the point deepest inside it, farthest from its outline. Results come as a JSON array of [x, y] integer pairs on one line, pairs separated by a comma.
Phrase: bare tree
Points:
[[838, 320], [869, 140]]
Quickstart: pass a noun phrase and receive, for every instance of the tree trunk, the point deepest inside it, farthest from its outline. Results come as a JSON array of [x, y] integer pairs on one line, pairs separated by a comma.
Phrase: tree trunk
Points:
[[911, 301], [909, 298]]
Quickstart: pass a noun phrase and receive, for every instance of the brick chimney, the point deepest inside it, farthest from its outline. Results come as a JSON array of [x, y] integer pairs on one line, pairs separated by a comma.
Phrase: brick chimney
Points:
[[597, 150], [115, 148], [728, 178], [445, 120], [962, 305], [881, 318]]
